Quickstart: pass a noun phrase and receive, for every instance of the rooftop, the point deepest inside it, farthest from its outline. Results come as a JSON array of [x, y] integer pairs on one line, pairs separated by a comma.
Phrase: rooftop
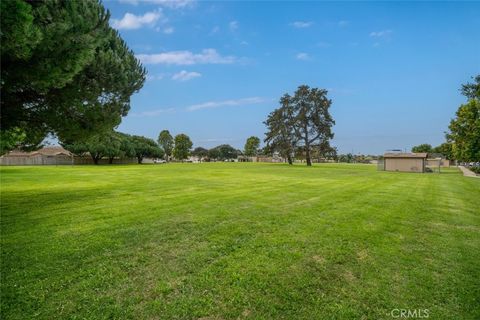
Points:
[[46, 151], [405, 155]]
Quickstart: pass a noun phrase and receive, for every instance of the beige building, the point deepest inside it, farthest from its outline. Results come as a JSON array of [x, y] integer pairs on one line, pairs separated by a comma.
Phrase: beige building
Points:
[[405, 162], [54, 155]]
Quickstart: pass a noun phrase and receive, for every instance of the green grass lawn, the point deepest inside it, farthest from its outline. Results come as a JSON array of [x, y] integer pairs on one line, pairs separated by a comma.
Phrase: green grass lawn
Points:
[[235, 241]]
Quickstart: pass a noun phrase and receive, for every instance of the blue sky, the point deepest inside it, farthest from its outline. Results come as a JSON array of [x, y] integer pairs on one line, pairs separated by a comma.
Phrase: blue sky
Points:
[[216, 69]]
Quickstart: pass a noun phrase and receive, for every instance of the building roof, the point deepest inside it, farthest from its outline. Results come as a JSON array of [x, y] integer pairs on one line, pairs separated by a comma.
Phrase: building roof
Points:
[[406, 155], [45, 151]]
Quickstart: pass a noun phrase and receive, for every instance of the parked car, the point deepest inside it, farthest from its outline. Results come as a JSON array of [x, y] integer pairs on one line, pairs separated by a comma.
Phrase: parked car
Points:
[[159, 161]]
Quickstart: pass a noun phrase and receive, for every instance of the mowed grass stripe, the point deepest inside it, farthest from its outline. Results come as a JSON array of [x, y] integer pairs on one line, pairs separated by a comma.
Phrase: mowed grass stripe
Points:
[[228, 241]]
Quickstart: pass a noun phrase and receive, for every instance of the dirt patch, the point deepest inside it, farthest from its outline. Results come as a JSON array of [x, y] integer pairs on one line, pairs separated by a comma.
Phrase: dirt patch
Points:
[[362, 255], [319, 259]]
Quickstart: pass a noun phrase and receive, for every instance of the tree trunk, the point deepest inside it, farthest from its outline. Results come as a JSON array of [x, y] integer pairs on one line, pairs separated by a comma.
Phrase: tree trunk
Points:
[[140, 159], [307, 155], [289, 159], [110, 160], [307, 147], [95, 159]]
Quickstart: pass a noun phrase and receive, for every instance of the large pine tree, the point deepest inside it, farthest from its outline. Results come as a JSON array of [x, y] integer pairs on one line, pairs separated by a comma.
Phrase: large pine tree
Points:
[[64, 71]]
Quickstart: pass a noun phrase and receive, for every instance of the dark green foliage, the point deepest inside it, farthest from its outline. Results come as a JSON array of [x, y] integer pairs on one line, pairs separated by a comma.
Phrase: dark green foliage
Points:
[[64, 70], [425, 147], [145, 148], [127, 149], [311, 118], [464, 135], [183, 144], [19, 33], [465, 132], [223, 152], [348, 158], [116, 145], [11, 139], [280, 136], [444, 149], [200, 152], [251, 146], [324, 151], [165, 140], [302, 121], [213, 154], [103, 145], [472, 90]]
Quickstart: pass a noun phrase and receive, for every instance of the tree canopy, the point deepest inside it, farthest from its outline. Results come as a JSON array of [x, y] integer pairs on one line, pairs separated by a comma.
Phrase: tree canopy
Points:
[[223, 152], [165, 140], [251, 146], [464, 134], [200, 152], [183, 144], [472, 90], [106, 145], [145, 148], [302, 121], [64, 70], [445, 149], [425, 147], [280, 136]]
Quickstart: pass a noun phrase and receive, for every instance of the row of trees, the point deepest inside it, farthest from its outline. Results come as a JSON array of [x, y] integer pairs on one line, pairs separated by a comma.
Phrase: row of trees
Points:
[[179, 146], [116, 145], [221, 152], [463, 137], [444, 149], [64, 71], [301, 123], [121, 145]]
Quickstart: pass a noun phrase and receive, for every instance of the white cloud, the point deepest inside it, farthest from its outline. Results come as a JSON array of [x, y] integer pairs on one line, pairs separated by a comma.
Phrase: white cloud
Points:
[[302, 56], [206, 56], [155, 77], [214, 30], [168, 30], [185, 75], [153, 113], [301, 24], [171, 4], [380, 34], [131, 21], [233, 25], [226, 103]]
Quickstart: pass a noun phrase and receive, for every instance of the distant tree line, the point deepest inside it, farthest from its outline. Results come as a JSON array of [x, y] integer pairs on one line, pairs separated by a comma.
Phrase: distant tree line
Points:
[[118, 145], [444, 149], [115, 145]]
